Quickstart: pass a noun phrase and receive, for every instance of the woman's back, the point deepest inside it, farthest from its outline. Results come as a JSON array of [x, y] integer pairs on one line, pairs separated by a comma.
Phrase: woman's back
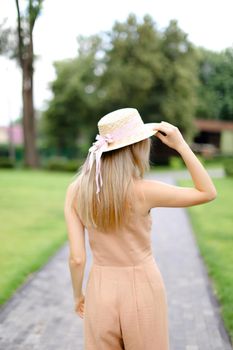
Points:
[[129, 245], [125, 297]]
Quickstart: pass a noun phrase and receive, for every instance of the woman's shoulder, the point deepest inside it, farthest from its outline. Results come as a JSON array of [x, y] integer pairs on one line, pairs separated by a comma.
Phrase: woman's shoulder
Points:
[[74, 184], [71, 191], [142, 185], [141, 189], [145, 186]]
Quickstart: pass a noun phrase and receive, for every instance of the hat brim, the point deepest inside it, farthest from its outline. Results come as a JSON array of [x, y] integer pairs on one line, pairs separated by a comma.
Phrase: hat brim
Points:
[[145, 131]]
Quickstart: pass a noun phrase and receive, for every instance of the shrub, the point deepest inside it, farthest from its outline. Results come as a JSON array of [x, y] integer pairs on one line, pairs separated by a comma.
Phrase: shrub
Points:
[[176, 162], [4, 152], [6, 162], [62, 164], [228, 166]]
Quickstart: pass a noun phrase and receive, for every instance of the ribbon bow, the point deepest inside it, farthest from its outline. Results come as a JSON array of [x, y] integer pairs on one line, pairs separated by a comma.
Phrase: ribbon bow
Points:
[[95, 151]]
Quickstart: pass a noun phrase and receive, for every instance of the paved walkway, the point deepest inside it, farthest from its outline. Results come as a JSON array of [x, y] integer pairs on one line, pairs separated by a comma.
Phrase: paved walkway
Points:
[[40, 315]]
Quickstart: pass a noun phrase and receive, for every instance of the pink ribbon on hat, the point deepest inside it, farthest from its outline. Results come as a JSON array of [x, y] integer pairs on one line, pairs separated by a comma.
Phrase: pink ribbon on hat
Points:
[[101, 145], [97, 149]]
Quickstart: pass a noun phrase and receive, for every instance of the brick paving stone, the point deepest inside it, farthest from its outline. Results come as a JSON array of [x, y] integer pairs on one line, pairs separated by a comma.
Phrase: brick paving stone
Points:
[[40, 314]]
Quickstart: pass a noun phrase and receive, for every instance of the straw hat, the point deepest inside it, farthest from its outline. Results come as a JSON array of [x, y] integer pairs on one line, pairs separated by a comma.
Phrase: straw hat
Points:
[[125, 126], [117, 129]]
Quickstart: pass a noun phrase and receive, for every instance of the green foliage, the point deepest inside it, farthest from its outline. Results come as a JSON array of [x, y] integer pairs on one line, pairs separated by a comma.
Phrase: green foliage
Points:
[[228, 166], [6, 162], [34, 10], [178, 100], [62, 164], [5, 38], [176, 162], [26, 18], [72, 113], [14, 42], [133, 65], [216, 89], [5, 153]]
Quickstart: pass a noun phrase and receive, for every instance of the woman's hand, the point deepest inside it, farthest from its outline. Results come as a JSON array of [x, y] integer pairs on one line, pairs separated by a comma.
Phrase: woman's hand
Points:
[[173, 137], [80, 305]]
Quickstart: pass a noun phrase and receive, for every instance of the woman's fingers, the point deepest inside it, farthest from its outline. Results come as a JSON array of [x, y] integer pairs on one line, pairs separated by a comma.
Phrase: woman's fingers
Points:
[[80, 308], [80, 313], [165, 127], [160, 136], [162, 128]]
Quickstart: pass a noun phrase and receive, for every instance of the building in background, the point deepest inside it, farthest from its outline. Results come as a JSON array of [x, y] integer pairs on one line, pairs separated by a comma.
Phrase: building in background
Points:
[[15, 134], [214, 137]]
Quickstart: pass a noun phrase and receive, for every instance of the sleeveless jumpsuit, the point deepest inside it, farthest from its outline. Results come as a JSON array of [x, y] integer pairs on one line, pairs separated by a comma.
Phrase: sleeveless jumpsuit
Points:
[[125, 297]]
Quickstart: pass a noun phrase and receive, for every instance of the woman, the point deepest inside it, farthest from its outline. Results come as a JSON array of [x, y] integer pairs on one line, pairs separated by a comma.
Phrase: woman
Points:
[[125, 304]]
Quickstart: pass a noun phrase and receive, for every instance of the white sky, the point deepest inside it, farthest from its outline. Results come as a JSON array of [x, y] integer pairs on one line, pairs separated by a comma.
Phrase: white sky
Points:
[[208, 23]]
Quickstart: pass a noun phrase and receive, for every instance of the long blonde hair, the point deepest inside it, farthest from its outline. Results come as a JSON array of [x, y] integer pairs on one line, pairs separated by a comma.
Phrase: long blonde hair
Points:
[[119, 169]]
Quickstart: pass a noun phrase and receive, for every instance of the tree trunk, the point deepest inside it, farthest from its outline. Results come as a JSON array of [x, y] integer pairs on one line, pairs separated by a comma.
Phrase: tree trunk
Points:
[[26, 59], [31, 158]]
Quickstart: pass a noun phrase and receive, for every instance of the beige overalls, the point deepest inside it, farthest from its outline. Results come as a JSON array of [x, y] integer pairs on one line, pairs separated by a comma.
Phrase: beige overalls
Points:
[[125, 297]]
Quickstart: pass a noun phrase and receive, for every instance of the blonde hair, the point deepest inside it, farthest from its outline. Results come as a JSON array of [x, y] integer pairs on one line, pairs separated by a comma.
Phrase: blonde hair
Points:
[[119, 169]]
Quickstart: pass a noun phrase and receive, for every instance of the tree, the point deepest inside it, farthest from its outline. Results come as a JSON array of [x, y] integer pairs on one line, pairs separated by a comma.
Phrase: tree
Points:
[[18, 44], [26, 23], [180, 79], [154, 71], [216, 88], [132, 65], [73, 112]]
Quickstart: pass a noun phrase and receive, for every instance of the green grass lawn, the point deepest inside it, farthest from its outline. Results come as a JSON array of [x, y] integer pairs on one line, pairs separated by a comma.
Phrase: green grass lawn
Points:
[[32, 223], [213, 229]]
